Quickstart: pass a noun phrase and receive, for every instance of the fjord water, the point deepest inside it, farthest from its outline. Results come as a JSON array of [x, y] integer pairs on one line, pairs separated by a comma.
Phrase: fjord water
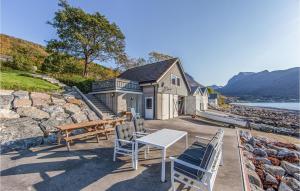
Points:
[[277, 105]]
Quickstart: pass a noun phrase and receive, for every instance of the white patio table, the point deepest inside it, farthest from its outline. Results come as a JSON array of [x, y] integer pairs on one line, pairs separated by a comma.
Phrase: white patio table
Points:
[[161, 139]]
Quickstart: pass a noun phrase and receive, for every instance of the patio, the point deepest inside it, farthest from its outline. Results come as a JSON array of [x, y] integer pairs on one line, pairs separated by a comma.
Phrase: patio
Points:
[[89, 165]]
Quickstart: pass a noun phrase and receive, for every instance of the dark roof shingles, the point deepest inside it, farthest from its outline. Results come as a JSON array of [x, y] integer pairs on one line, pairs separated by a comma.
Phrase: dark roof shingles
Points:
[[149, 72]]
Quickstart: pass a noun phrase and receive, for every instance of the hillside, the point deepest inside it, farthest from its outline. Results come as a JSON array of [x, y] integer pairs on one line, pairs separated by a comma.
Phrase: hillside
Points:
[[11, 46], [280, 84]]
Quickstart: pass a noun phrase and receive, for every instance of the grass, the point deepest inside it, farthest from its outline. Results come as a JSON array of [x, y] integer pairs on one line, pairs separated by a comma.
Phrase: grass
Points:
[[19, 80]]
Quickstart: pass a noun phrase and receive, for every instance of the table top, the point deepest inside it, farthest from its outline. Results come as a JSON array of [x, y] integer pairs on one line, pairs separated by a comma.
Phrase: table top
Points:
[[87, 124], [162, 138]]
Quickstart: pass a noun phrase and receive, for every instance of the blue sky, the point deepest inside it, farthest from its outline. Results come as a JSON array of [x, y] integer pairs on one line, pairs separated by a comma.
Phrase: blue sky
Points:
[[214, 39]]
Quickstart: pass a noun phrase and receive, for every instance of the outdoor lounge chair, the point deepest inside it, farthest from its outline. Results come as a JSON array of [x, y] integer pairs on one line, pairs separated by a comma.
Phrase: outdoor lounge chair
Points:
[[140, 129], [125, 142], [197, 166]]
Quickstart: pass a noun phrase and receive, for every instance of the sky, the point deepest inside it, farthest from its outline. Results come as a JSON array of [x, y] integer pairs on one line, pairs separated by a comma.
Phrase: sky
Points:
[[214, 39]]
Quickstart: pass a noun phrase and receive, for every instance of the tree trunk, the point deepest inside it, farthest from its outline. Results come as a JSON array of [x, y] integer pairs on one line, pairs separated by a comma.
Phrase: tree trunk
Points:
[[86, 62]]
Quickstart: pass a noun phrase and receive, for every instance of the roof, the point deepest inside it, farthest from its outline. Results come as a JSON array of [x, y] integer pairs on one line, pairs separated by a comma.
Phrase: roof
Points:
[[194, 84], [148, 73]]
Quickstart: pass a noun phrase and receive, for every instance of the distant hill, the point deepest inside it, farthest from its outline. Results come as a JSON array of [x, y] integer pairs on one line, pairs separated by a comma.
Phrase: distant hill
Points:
[[192, 82], [276, 84], [37, 53]]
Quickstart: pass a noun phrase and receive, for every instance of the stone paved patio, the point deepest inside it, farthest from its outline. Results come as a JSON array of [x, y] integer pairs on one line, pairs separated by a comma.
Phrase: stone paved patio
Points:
[[89, 165]]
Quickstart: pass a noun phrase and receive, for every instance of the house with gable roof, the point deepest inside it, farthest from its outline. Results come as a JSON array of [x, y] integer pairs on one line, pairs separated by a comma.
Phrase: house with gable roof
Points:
[[156, 91]]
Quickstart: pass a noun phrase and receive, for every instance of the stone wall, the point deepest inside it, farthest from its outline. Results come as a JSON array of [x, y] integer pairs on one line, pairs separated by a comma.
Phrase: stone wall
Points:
[[29, 118], [270, 165]]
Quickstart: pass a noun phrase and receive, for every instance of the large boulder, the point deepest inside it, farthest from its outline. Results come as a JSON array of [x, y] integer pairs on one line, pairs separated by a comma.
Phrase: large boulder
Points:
[[20, 133], [274, 170], [79, 117], [54, 110], [58, 101], [260, 152], [32, 112], [8, 114], [71, 108], [292, 183], [271, 180], [90, 114], [6, 92], [21, 94], [6, 101], [254, 178], [49, 126], [263, 160], [284, 187], [290, 168], [40, 99], [22, 102]]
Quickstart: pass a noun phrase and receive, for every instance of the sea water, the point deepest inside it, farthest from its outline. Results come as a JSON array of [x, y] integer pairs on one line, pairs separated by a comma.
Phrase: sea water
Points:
[[277, 105]]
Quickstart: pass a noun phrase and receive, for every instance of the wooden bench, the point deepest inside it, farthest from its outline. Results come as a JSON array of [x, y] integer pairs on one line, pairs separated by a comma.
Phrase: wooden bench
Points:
[[92, 128], [198, 165]]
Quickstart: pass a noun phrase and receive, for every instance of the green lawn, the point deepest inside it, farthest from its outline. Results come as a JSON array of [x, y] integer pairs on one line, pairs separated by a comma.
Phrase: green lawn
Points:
[[19, 80]]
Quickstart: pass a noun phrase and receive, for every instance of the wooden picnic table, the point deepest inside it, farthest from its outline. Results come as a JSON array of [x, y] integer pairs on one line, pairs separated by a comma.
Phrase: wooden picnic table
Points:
[[92, 128]]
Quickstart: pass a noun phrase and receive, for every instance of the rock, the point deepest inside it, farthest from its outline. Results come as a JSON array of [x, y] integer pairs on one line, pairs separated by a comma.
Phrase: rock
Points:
[[290, 168], [54, 110], [21, 94], [79, 117], [297, 176], [6, 92], [292, 183], [297, 147], [270, 189], [274, 161], [252, 141], [246, 135], [49, 126], [20, 133], [248, 155], [75, 101], [32, 112], [260, 152], [288, 155], [274, 170], [271, 179], [40, 99], [249, 164], [249, 147], [5, 101], [263, 160], [90, 114], [284, 187], [71, 108], [8, 114], [253, 187], [254, 178], [271, 152], [58, 101], [37, 95], [22, 102]]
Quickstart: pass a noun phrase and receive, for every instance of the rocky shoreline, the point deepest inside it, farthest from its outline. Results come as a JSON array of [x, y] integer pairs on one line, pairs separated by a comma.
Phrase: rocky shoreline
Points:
[[270, 165], [285, 122]]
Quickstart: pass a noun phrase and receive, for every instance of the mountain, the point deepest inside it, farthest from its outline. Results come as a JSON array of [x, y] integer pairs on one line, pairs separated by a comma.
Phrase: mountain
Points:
[[192, 82], [215, 87], [282, 84]]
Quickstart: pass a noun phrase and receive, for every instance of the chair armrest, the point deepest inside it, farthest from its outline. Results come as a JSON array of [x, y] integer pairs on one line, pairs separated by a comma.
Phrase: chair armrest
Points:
[[140, 133], [125, 141], [151, 129], [203, 138], [173, 159]]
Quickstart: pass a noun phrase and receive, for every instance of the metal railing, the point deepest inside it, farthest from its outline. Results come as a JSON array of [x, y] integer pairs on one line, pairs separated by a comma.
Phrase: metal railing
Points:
[[116, 84]]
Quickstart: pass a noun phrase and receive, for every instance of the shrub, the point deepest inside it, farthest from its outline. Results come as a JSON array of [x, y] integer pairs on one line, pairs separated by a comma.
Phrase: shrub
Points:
[[83, 83]]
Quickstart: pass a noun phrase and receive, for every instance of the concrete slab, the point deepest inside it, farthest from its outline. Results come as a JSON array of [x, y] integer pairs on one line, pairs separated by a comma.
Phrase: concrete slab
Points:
[[89, 165]]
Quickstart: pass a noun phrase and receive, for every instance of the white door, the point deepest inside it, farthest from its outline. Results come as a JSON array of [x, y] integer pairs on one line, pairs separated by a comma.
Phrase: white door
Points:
[[149, 107], [165, 106]]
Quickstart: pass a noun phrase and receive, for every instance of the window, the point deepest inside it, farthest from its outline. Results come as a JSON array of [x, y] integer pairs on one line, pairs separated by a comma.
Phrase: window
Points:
[[173, 79], [178, 81], [149, 103]]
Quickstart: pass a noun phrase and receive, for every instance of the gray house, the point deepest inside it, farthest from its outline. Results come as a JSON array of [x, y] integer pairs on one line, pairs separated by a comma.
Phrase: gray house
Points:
[[156, 91]]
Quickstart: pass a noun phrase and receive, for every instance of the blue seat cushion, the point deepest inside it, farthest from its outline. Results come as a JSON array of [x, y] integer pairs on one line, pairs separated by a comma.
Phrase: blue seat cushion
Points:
[[187, 171], [124, 132], [139, 125]]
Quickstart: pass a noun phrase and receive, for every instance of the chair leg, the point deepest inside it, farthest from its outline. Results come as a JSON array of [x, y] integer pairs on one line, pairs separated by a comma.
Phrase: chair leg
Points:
[[114, 157], [148, 149], [172, 176], [133, 159], [145, 153]]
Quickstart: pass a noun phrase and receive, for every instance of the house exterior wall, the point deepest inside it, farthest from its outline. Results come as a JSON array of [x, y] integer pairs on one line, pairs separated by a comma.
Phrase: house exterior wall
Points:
[[110, 100], [205, 102], [213, 102], [190, 105]]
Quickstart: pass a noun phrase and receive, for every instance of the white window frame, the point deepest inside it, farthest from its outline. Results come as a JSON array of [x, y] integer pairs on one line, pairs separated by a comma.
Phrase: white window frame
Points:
[[176, 78]]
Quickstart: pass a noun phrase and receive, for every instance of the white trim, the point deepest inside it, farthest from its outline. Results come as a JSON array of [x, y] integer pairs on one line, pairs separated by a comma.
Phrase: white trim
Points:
[[167, 71], [149, 84], [115, 91]]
